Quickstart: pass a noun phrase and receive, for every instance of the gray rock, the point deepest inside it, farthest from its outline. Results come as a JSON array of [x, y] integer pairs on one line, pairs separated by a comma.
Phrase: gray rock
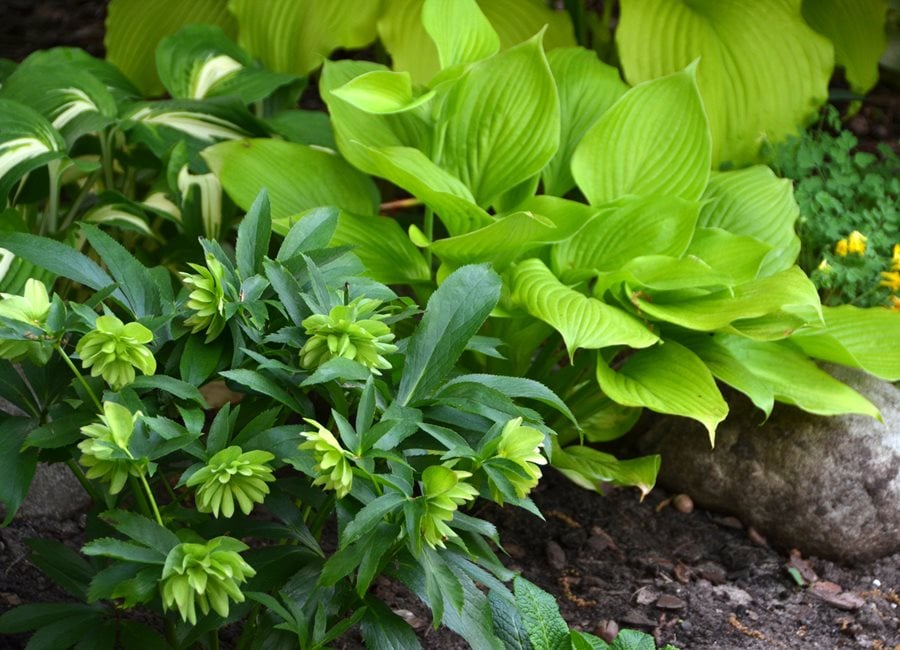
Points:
[[829, 486], [54, 494]]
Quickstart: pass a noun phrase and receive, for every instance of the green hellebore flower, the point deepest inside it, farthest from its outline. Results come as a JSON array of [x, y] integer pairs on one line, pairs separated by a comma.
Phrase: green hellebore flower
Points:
[[332, 462], [105, 452], [344, 333], [522, 446], [230, 475], [113, 350], [32, 307], [208, 574], [207, 299], [444, 489]]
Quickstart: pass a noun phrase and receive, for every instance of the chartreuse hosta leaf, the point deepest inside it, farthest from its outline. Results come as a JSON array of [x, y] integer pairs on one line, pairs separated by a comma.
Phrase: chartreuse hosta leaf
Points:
[[794, 379], [134, 28], [587, 88], [296, 35], [591, 468], [737, 258], [27, 141], [541, 220], [763, 71], [652, 225], [72, 99], [667, 378], [789, 293], [654, 140], [296, 176], [460, 31], [754, 202], [862, 338], [583, 322], [728, 369], [356, 129], [402, 31], [381, 91], [201, 61], [500, 122], [856, 28]]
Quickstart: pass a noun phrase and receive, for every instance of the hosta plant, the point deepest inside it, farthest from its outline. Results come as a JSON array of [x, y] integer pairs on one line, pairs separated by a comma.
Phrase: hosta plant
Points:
[[278, 507]]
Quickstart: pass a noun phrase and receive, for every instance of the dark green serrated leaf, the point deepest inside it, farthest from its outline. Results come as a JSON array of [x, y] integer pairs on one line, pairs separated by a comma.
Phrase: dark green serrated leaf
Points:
[[547, 629], [17, 468]]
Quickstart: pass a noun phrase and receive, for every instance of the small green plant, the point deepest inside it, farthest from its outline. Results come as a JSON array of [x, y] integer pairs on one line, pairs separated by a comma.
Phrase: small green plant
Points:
[[849, 223], [357, 449]]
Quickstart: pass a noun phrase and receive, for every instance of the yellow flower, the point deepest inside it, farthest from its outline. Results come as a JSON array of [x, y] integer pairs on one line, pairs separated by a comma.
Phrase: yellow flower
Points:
[[891, 280], [895, 303], [856, 242], [895, 258], [824, 266]]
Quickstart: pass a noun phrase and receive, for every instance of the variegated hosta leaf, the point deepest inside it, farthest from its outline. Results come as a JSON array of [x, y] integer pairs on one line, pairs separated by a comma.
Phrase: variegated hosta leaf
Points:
[[763, 71], [861, 338], [754, 202], [857, 30], [73, 100], [654, 140], [794, 379], [583, 322], [666, 378], [402, 31], [201, 61], [356, 130], [27, 141], [499, 124], [135, 27], [162, 125], [204, 191], [587, 88], [294, 36], [122, 90], [121, 216]]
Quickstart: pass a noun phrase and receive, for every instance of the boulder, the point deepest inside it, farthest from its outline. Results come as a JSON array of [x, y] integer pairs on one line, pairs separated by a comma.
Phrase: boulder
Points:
[[828, 486]]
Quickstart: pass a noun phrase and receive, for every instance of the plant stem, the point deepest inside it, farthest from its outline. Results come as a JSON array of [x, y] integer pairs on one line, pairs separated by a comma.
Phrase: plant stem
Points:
[[53, 200], [80, 378], [152, 499], [106, 158], [82, 195], [429, 233]]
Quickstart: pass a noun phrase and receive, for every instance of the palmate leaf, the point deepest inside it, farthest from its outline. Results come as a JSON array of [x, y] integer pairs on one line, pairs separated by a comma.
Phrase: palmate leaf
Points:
[[402, 31], [763, 72], [654, 140], [201, 61], [134, 28], [73, 100], [857, 30], [27, 141], [583, 322], [296, 35], [500, 122], [667, 378], [861, 338], [587, 88]]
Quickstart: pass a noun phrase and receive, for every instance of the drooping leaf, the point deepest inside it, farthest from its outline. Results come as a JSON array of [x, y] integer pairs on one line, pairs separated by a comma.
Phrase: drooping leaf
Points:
[[795, 379], [754, 202], [789, 292], [763, 71], [857, 30], [584, 322], [247, 166], [402, 31], [591, 468], [134, 28], [587, 87], [27, 141], [518, 387], [201, 61], [631, 148], [296, 35], [70, 98], [651, 225], [861, 338], [667, 378], [17, 466], [501, 122], [454, 314], [459, 30]]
